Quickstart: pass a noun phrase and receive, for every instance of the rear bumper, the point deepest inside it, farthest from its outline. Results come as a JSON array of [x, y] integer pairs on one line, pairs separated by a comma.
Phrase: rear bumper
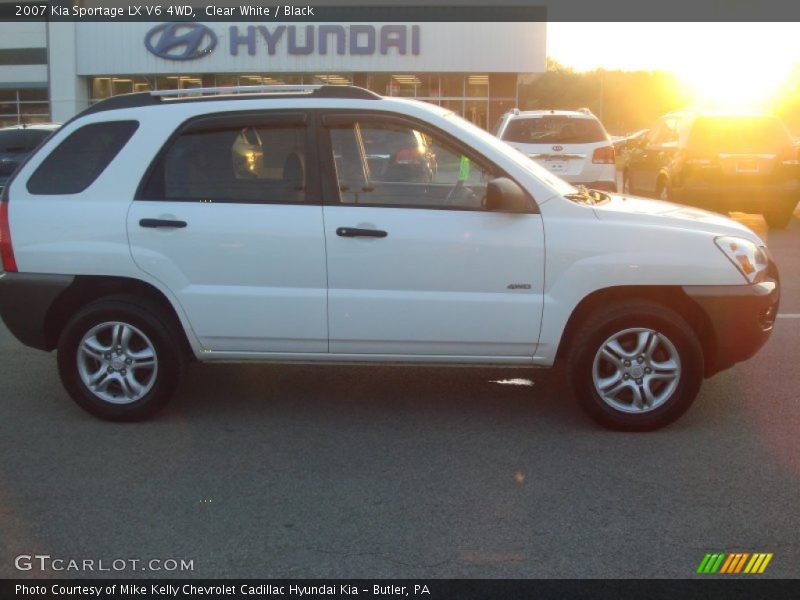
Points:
[[742, 318], [754, 198], [25, 301]]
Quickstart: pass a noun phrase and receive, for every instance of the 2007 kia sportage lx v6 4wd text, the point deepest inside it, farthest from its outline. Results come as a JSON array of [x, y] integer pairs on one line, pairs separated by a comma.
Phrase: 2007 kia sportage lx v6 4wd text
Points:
[[292, 224]]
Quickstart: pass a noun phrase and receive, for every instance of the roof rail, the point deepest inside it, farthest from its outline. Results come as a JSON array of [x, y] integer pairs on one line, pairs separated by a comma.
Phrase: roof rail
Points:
[[242, 89], [231, 93]]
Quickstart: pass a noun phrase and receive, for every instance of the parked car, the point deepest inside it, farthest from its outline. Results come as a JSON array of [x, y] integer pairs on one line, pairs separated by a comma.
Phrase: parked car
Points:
[[132, 244], [17, 142], [623, 142], [722, 162], [573, 145]]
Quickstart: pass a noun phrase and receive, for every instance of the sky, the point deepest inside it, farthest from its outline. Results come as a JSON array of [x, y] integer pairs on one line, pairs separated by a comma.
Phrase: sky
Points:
[[672, 46], [717, 60]]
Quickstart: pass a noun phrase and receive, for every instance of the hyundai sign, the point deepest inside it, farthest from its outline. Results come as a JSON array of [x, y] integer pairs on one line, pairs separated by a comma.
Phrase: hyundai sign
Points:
[[274, 47], [180, 41], [187, 41]]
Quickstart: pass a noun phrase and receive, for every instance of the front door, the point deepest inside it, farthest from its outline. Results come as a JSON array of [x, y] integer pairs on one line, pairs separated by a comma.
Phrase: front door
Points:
[[416, 266]]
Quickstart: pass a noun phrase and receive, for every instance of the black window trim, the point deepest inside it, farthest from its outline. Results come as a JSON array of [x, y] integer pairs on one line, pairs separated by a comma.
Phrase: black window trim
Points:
[[231, 119], [342, 117]]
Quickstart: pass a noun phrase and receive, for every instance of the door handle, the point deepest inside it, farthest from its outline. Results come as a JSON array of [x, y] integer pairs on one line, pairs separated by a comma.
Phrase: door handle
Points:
[[356, 232], [161, 223]]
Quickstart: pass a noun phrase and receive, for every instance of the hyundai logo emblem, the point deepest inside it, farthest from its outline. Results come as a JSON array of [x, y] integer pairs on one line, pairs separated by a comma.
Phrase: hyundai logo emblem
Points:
[[180, 41], [558, 148]]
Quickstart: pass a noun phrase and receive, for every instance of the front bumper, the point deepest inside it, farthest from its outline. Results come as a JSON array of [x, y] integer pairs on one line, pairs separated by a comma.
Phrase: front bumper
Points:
[[741, 316]]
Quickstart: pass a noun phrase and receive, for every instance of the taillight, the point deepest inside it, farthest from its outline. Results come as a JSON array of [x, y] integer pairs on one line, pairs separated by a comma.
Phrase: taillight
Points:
[[6, 251], [604, 156]]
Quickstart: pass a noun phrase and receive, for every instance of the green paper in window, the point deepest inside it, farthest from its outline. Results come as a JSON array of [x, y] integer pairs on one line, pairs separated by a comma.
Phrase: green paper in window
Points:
[[463, 169]]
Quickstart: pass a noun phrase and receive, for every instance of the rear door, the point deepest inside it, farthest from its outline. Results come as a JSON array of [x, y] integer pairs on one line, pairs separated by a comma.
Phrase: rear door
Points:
[[416, 266], [229, 219]]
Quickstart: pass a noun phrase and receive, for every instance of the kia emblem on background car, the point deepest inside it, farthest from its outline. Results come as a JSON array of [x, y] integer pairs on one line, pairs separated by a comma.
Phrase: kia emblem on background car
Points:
[[180, 41]]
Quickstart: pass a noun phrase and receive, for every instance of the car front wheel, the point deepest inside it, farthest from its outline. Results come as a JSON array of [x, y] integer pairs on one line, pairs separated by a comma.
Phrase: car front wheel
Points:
[[627, 188], [636, 366], [119, 360]]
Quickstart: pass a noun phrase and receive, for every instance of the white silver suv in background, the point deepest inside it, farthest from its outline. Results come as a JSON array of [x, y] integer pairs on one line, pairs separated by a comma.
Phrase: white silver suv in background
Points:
[[573, 145], [329, 224]]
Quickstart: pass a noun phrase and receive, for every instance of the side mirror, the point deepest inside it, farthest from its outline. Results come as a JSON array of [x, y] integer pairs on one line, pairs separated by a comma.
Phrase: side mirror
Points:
[[502, 194]]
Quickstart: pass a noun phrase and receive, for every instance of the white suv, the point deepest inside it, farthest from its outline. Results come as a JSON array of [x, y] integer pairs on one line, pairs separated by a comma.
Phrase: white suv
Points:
[[573, 145], [329, 224]]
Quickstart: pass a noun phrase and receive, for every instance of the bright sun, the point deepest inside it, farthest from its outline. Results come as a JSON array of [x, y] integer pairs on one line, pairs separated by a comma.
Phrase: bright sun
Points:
[[723, 65], [733, 76]]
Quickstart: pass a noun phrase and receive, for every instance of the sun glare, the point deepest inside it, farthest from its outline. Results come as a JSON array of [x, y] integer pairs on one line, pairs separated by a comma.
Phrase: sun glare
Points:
[[732, 76], [726, 66]]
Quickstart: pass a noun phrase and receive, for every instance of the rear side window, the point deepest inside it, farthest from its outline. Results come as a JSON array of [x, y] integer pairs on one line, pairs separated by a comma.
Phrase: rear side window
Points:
[[80, 159], [739, 135], [240, 162], [555, 129]]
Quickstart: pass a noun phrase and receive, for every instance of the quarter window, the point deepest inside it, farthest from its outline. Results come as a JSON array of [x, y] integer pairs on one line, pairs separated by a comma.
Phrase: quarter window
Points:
[[80, 159], [233, 163], [385, 164]]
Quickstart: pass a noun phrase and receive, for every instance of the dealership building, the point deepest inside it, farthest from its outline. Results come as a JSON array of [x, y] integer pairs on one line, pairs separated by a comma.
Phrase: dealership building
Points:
[[51, 71]]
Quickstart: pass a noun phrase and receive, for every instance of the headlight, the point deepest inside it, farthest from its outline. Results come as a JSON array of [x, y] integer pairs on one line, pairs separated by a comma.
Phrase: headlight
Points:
[[751, 260]]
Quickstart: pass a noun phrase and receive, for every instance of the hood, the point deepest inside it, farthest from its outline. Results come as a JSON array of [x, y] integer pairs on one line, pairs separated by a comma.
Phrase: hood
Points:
[[667, 214]]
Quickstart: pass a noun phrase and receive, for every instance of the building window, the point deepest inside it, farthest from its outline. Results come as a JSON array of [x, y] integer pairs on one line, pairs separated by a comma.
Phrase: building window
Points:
[[479, 97], [24, 106]]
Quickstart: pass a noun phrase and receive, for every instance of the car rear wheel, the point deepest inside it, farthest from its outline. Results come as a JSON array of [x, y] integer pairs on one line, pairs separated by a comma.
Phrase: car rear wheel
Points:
[[636, 367], [119, 359], [662, 190], [779, 216]]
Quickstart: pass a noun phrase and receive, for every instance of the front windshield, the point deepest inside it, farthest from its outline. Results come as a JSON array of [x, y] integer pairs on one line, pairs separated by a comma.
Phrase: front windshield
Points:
[[559, 186]]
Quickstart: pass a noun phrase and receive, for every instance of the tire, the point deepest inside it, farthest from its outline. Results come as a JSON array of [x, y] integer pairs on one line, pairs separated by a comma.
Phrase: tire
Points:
[[627, 188], [146, 359], [631, 323], [663, 191], [779, 217]]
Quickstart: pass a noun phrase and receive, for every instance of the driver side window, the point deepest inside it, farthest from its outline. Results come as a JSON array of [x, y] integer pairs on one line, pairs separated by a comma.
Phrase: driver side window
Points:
[[388, 164]]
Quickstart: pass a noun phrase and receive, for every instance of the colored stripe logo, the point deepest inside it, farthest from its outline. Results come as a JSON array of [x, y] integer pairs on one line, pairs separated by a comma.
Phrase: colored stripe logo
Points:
[[733, 563]]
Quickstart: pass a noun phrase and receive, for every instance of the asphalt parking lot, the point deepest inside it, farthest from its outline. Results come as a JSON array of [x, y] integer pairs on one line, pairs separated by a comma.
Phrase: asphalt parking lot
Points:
[[300, 471]]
